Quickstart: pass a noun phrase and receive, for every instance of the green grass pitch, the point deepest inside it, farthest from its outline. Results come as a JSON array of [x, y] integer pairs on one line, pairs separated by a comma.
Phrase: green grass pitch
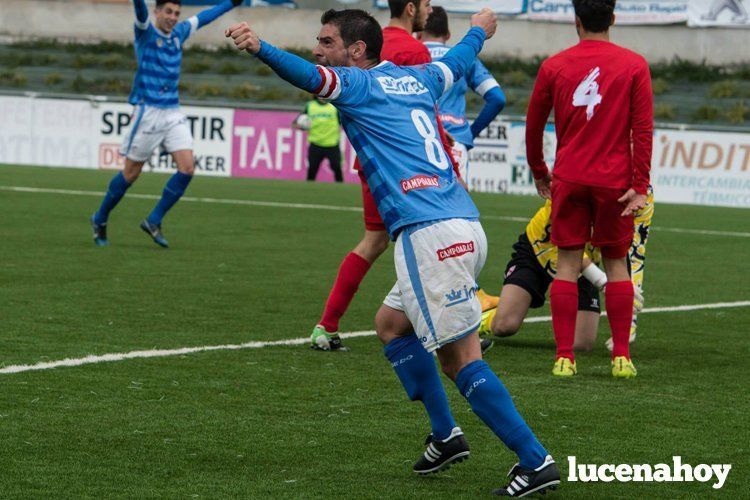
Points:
[[287, 422]]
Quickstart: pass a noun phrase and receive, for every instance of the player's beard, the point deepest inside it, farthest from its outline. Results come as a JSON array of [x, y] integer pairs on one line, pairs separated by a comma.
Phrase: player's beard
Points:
[[418, 24]]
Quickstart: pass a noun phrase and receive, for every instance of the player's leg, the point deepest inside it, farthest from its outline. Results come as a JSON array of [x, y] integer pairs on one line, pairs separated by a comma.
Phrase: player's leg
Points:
[[177, 140], [491, 402], [334, 160], [571, 219], [315, 156], [618, 298], [116, 189], [614, 235], [136, 148], [525, 285], [637, 258], [173, 191], [564, 305], [352, 271], [437, 299], [512, 308], [418, 374], [587, 321]]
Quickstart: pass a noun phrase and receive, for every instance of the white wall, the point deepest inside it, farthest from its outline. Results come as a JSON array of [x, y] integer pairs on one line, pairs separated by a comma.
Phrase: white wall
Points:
[[102, 21]]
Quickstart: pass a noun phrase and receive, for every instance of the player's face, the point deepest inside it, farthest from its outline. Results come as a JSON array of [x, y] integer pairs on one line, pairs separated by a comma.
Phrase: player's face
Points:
[[423, 12], [331, 50], [167, 16]]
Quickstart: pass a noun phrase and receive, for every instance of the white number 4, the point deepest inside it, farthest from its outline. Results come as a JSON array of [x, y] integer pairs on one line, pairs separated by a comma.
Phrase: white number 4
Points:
[[587, 93]]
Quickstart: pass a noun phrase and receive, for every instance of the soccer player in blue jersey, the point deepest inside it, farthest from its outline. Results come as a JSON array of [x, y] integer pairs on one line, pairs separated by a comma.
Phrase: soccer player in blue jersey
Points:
[[452, 106], [388, 113], [157, 121]]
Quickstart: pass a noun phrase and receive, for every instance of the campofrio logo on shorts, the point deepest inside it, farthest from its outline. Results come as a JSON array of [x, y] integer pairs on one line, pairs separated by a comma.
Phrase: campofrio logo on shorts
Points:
[[456, 250]]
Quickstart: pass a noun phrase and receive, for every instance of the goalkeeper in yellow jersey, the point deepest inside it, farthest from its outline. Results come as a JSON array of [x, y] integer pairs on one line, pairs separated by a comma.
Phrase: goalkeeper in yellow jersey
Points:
[[532, 268]]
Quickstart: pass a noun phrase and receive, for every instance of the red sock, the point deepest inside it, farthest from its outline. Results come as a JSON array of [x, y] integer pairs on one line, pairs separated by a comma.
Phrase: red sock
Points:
[[563, 298], [351, 274], [618, 298]]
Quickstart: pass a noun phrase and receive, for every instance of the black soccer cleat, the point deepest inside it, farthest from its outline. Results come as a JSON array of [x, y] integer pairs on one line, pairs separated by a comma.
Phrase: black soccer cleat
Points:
[[154, 231], [100, 233], [440, 455], [486, 345], [524, 482]]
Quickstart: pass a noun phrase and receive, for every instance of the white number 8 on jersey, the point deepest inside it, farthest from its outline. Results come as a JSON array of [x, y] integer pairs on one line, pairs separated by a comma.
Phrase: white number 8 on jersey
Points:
[[432, 145]]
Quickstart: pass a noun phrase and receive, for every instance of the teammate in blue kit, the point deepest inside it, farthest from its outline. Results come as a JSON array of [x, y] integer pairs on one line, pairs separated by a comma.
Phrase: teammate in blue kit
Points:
[[452, 106], [388, 113], [156, 121]]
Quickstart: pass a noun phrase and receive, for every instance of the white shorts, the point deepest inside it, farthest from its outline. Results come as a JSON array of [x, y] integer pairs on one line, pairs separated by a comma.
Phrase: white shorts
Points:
[[152, 128], [461, 155], [437, 266]]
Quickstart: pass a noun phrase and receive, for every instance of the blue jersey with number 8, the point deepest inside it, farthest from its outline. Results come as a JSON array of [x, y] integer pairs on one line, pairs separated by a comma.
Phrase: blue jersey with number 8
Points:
[[388, 113]]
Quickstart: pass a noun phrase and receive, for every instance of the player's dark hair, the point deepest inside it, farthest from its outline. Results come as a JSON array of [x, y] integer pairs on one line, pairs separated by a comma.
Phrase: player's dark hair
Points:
[[595, 15], [160, 3], [399, 6], [437, 23], [355, 25]]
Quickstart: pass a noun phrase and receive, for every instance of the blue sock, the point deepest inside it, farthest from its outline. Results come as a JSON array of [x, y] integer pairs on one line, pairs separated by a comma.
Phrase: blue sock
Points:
[[173, 191], [491, 401], [418, 374], [115, 191]]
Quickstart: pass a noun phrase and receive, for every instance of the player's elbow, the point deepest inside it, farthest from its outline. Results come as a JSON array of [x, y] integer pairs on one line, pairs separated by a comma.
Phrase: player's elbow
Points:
[[496, 97]]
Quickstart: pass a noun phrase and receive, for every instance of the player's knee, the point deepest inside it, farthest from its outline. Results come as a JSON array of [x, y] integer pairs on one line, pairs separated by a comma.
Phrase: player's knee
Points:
[[379, 244], [450, 370], [384, 329], [372, 246], [505, 326], [188, 169]]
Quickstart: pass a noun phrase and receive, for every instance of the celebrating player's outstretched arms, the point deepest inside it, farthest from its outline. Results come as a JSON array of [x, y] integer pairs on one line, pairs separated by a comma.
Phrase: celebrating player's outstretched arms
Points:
[[389, 115], [156, 121]]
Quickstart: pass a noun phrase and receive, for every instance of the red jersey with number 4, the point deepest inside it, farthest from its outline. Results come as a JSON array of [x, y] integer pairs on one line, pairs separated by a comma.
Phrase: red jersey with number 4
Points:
[[601, 96]]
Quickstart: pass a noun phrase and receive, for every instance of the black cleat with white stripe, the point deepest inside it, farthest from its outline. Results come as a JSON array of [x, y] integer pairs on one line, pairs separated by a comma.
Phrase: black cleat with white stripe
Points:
[[440, 455], [526, 481]]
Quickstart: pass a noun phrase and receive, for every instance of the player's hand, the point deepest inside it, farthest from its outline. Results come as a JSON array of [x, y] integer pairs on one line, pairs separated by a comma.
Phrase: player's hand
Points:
[[487, 20], [633, 202], [543, 186], [244, 37]]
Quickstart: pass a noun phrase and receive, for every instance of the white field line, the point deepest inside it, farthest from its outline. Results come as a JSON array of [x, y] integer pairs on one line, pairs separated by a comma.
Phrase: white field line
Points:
[[161, 353], [310, 206]]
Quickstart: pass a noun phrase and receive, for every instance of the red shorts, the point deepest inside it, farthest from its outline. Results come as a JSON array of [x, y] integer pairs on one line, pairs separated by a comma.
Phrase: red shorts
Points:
[[373, 222], [587, 213]]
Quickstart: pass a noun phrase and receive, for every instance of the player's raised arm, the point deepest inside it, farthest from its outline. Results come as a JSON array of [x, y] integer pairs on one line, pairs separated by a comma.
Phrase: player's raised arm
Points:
[[483, 83], [141, 14], [457, 62], [210, 15], [295, 70]]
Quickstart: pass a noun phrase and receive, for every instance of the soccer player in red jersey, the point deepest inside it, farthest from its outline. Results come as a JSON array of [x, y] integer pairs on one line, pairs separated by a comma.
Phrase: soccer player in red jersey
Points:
[[603, 105], [401, 48]]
